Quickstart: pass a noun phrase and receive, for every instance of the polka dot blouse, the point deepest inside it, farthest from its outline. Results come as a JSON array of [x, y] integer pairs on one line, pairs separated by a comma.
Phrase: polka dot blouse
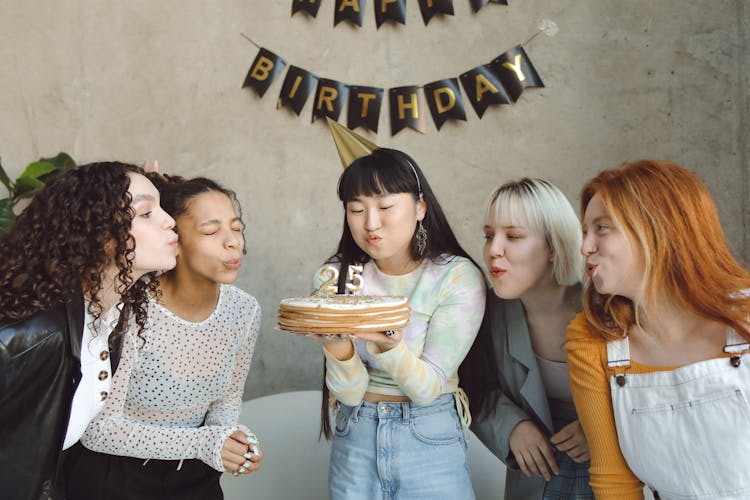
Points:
[[179, 395]]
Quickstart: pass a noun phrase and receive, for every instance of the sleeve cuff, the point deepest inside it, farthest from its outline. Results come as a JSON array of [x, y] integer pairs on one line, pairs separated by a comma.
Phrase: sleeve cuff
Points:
[[350, 366], [222, 436]]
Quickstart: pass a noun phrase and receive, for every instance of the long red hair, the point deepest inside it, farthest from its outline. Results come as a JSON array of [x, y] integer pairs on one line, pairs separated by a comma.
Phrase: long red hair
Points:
[[667, 213]]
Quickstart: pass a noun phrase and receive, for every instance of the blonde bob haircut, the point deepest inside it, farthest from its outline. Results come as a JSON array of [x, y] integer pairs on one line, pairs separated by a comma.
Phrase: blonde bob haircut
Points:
[[667, 214], [540, 206]]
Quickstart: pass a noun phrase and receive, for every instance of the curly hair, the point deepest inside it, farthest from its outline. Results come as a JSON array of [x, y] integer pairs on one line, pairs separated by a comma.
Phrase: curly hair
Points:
[[63, 241]]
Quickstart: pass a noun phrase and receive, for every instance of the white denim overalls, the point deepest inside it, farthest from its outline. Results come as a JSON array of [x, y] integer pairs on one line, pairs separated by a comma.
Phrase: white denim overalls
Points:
[[686, 433]]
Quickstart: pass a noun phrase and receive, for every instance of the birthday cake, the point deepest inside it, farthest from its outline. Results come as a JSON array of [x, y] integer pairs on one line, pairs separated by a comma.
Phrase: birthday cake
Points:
[[343, 313]]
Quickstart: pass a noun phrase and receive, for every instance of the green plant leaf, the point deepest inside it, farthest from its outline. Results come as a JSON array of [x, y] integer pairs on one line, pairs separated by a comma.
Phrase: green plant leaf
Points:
[[5, 180], [7, 217], [27, 186], [36, 170], [62, 161]]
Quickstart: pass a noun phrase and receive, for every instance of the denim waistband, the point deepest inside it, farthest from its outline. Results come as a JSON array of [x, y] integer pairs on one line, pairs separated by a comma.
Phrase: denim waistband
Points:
[[384, 409]]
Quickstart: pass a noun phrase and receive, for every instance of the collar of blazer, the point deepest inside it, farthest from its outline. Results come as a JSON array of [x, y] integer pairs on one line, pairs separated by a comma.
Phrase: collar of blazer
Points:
[[519, 346]]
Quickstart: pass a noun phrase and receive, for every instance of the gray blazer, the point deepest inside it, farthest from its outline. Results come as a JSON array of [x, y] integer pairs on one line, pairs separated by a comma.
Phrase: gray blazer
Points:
[[523, 397]]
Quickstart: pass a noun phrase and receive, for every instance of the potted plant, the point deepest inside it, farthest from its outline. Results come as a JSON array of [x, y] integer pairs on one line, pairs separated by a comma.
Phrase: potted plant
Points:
[[28, 184]]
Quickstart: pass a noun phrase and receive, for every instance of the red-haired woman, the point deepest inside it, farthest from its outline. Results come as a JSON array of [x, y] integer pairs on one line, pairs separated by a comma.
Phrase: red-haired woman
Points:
[[659, 362]]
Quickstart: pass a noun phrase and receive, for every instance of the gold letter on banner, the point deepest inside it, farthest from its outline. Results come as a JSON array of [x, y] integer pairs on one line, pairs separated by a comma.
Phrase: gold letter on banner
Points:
[[309, 7], [349, 10], [484, 85], [384, 5], [264, 70], [516, 67], [354, 4], [444, 91], [327, 95], [364, 107], [429, 8], [402, 106], [332, 93], [404, 109], [483, 88], [366, 98], [295, 86], [444, 101]]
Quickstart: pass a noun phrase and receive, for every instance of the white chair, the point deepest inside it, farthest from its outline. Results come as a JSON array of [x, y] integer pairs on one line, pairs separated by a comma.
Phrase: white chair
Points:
[[296, 463]]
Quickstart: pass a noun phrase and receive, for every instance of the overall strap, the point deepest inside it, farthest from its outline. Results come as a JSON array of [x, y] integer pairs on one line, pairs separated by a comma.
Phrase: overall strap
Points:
[[736, 343], [618, 358], [736, 346]]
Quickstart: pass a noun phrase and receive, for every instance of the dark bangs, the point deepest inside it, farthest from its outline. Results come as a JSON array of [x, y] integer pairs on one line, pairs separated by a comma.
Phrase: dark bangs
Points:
[[383, 171]]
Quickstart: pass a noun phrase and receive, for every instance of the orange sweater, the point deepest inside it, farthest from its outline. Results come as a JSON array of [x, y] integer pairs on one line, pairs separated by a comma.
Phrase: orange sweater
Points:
[[611, 478]]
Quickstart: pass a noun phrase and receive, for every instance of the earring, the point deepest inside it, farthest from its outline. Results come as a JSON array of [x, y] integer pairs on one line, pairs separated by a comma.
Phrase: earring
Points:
[[420, 237]]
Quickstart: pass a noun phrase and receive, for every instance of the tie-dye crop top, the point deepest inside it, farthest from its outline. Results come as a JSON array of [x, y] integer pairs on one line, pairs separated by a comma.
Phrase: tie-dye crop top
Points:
[[447, 301]]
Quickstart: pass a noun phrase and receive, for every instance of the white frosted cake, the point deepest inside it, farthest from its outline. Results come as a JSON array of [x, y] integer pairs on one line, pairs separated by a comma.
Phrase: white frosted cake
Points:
[[343, 313]]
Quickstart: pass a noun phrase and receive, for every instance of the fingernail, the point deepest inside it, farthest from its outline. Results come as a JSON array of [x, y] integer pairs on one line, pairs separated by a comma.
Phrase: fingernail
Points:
[[255, 450], [246, 465], [252, 440], [247, 455]]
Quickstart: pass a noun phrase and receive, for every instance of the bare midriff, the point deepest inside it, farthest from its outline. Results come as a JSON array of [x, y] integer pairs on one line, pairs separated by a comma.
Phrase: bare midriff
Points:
[[374, 397]]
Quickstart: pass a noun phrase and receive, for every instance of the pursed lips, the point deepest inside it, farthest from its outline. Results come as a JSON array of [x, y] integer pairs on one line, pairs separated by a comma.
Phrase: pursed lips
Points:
[[497, 271], [591, 269], [233, 263]]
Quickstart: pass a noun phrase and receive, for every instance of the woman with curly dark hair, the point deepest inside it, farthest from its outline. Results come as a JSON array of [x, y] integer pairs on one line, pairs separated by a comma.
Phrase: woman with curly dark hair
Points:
[[70, 270]]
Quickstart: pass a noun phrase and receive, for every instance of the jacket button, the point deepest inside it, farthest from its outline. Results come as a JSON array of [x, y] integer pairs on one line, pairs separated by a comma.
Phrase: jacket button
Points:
[[104, 395], [103, 375], [104, 355]]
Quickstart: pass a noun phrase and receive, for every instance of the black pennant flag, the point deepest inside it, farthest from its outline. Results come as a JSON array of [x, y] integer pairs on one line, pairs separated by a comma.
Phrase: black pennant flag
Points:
[[390, 10], [483, 88], [478, 4], [264, 70], [445, 102], [515, 71], [364, 107], [349, 10], [405, 109], [308, 6], [330, 97], [431, 7], [297, 87]]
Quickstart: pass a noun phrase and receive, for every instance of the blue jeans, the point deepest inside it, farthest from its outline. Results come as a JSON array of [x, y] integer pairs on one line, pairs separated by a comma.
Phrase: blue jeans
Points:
[[399, 451]]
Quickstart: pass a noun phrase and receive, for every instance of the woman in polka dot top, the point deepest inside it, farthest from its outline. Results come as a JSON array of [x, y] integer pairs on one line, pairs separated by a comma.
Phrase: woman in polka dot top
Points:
[[170, 428]]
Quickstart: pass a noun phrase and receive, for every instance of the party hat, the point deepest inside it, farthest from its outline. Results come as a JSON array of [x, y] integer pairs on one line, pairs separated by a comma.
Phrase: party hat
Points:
[[349, 144]]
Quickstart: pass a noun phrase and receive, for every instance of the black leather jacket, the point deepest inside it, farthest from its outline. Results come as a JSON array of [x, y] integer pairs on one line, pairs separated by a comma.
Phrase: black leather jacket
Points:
[[40, 369]]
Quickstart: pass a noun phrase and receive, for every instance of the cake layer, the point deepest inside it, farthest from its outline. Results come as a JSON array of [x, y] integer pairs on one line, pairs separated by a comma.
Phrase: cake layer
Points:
[[343, 313], [344, 303]]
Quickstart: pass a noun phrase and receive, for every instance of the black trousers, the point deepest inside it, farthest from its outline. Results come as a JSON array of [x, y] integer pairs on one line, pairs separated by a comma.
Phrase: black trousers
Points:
[[97, 476]]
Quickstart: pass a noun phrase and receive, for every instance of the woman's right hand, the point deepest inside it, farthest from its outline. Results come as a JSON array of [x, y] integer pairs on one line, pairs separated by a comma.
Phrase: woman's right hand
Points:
[[532, 450]]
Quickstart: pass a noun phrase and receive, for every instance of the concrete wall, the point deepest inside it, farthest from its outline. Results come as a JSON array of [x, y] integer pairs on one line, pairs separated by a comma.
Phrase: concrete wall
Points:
[[141, 79]]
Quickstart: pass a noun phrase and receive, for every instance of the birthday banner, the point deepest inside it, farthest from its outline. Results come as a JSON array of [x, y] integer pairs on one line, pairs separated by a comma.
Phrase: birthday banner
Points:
[[501, 81], [353, 11]]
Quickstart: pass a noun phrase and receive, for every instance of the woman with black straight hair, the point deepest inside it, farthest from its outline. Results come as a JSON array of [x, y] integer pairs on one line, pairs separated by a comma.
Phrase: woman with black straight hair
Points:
[[400, 416]]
